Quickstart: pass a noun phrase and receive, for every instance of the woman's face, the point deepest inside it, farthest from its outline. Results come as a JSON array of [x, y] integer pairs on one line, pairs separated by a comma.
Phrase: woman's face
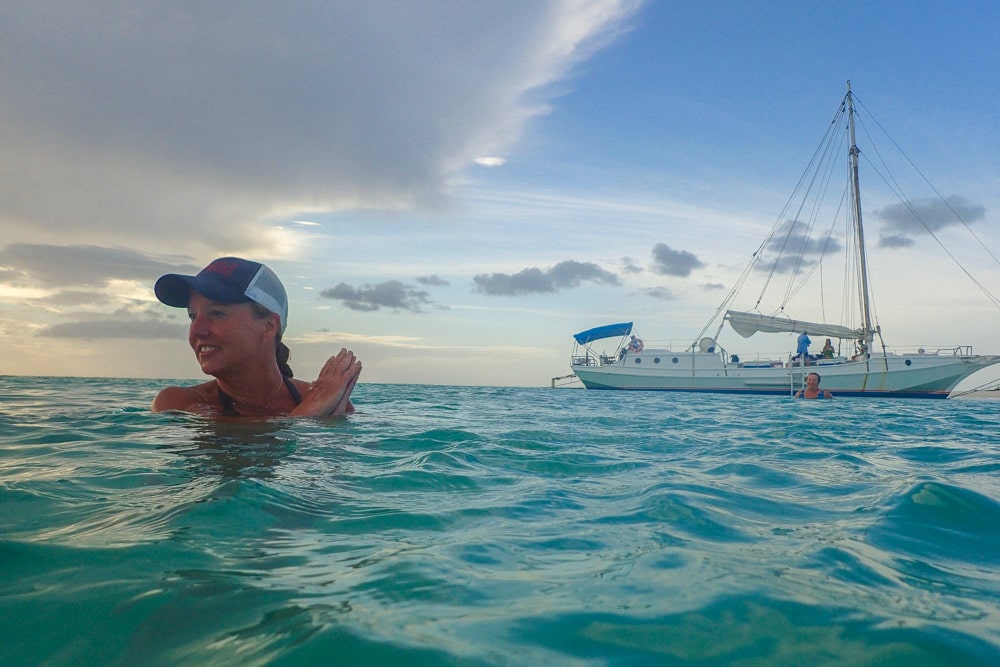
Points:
[[227, 335], [812, 381]]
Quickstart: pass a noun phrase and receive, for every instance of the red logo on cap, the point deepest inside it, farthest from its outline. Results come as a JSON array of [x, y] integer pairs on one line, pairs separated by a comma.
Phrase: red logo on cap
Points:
[[225, 267]]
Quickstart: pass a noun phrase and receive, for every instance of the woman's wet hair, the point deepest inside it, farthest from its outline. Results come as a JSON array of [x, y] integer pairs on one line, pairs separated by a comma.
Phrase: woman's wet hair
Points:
[[281, 351], [281, 355]]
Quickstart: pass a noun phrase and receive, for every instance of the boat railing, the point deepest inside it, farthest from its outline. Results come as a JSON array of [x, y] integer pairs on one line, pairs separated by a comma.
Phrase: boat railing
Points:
[[593, 360], [957, 351], [952, 350]]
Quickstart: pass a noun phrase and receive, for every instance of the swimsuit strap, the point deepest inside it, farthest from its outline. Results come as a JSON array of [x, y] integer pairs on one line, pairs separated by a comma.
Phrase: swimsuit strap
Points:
[[292, 389], [229, 405]]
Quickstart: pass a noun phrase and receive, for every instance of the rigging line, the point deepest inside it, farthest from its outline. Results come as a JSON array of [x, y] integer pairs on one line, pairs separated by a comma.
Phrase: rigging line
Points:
[[896, 189], [820, 149], [899, 193], [826, 242], [931, 186], [829, 163], [826, 181], [981, 387], [730, 297]]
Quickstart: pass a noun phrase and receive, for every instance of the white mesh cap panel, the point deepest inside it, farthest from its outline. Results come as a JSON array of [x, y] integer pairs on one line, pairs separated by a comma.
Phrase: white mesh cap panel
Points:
[[267, 290]]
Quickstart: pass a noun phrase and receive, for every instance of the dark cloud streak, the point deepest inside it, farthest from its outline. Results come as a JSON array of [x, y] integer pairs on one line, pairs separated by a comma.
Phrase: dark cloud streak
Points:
[[104, 329], [670, 262], [920, 215], [795, 250], [391, 294], [432, 281], [564, 275], [76, 266]]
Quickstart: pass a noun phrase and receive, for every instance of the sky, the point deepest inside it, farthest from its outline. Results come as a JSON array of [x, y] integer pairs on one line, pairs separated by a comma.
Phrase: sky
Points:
[[452, 189]]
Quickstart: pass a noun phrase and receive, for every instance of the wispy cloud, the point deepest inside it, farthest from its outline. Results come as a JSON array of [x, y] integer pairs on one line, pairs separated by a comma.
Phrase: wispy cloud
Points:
[[895, 241], [391, 294], [76, 266], [629, 265], [793, 249], [195, 123], [97, 329], [563, 275], [661, 293], [432, 280]]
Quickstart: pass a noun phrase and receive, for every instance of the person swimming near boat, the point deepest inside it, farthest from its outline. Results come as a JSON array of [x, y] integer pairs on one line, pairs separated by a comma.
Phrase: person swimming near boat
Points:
[[238, 311], [812, 389], [635, 344]]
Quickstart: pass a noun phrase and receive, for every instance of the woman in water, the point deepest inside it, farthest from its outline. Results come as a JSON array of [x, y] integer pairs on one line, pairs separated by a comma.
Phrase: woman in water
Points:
[[812, 389], [238, 311]]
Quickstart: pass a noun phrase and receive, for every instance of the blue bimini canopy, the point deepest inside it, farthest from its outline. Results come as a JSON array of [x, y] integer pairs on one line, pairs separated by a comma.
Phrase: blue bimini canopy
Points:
[[607, 331]]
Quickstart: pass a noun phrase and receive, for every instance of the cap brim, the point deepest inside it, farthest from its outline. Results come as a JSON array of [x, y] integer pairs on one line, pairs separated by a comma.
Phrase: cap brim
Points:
[[175, 290]]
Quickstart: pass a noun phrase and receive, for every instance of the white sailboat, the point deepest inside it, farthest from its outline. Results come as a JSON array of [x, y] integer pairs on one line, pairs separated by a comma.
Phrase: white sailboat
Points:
[[865, 370]]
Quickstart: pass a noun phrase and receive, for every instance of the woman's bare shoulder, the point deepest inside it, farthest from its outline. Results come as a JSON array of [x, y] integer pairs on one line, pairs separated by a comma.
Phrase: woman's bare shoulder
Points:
[[199, 398]]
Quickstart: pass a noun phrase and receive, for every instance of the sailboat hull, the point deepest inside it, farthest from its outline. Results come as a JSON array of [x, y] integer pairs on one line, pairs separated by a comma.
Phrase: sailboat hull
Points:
[[791, 250], [902, 376]]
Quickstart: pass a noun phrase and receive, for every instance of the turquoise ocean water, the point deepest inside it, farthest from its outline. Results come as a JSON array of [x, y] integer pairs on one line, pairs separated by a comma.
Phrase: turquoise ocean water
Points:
[[498, 526]]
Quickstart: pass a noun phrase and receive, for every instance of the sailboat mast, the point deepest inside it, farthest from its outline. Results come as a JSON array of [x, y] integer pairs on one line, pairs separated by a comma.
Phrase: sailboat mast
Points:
[[859, 228]]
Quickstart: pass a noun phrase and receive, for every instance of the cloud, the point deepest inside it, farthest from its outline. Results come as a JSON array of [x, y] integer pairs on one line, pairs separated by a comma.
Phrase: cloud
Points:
[[794, 249], [391, 294], [670, 262], [433, 281], [919, 215], [97, 292], [661, 293], [629, 265], [895, 241], [196, 123], [563, 275], [77, 266], [133, 329]]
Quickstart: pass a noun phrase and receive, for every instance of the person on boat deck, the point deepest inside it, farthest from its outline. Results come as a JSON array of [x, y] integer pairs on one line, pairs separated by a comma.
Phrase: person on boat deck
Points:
[[862, 351], [812, 389], [802, 348], [635, 344], [828, 350], [238, 311]]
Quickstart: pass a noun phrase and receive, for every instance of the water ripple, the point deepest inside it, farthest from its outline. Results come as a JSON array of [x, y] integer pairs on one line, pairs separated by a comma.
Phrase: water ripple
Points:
[[454, 525]]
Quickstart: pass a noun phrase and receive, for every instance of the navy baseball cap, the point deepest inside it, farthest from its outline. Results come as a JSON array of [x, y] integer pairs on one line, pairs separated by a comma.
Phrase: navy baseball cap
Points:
[[227, 280]]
